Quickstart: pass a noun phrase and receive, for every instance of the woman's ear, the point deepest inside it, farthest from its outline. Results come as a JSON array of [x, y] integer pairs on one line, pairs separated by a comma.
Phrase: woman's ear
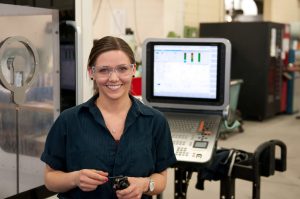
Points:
[[91, 74], [134, 70]]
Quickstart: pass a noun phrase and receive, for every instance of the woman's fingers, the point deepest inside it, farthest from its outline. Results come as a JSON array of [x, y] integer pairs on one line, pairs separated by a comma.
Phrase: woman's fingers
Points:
[[89, 179]]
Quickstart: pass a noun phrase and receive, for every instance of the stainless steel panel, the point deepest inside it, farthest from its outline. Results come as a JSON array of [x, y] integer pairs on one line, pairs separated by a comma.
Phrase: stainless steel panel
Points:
[[8, 142], [24, 126]]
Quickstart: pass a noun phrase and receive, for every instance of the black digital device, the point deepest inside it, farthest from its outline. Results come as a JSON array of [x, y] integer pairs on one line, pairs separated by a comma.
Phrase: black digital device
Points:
[[120, 182]]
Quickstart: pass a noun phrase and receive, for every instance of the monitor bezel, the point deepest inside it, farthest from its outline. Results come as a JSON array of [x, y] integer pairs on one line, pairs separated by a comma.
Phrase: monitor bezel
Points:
[[224, 56]]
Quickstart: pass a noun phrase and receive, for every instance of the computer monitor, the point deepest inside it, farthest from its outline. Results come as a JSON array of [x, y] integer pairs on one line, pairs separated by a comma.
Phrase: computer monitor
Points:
[[181, 73]]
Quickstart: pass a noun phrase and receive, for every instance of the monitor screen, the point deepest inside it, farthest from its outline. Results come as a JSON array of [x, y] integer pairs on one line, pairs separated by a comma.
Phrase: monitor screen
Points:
[[186, 73]]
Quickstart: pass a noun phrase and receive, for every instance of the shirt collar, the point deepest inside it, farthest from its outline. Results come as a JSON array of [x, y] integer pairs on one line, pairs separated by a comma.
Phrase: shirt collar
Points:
[[139, 107], [91, 102]]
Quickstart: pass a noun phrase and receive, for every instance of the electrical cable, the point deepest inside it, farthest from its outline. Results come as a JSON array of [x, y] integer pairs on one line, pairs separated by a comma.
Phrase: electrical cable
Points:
[[97, 12], [137, 35], [114, 17]]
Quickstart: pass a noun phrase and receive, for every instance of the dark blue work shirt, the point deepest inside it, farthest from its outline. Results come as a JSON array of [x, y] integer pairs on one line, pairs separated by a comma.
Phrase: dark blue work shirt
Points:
[[79, 139]]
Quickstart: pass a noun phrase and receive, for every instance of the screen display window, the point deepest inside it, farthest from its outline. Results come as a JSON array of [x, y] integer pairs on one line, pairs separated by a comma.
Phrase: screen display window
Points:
[[185, 71], [200, 144]]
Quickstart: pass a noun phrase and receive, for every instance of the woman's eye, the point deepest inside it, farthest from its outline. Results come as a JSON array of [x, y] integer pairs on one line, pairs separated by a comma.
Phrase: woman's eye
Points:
[[103, 70], [122, 69]]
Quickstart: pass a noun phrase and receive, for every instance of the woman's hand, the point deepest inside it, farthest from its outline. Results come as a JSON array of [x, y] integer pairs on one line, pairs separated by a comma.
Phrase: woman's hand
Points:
[[89, 179], [135, 190]]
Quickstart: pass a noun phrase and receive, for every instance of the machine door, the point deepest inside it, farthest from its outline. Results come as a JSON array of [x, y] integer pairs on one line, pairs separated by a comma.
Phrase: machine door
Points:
[[29, 93]]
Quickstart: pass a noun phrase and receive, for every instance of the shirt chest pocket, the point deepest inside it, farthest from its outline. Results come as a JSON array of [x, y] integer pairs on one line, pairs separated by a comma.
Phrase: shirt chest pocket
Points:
[[142, 161], [88, 159]]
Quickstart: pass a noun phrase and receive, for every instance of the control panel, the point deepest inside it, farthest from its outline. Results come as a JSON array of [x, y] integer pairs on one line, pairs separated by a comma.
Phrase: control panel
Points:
[[194, 137]]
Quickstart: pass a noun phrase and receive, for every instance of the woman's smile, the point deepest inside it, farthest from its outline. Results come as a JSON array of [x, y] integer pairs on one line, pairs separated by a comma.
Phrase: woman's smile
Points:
[[113, 86]]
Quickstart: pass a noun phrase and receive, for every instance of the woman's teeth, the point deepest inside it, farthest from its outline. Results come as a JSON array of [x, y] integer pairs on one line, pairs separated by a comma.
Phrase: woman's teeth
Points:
[[114, 87]]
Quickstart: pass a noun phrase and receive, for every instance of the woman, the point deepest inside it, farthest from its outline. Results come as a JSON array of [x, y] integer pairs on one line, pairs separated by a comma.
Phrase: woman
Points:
[[112, 134]]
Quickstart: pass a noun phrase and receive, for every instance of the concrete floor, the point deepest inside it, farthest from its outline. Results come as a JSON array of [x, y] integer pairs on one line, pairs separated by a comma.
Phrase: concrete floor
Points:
[[281, 185]]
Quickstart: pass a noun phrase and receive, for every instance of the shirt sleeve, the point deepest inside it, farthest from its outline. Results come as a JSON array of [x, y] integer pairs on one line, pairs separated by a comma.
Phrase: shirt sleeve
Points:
[[164, 146], [54, 153]]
